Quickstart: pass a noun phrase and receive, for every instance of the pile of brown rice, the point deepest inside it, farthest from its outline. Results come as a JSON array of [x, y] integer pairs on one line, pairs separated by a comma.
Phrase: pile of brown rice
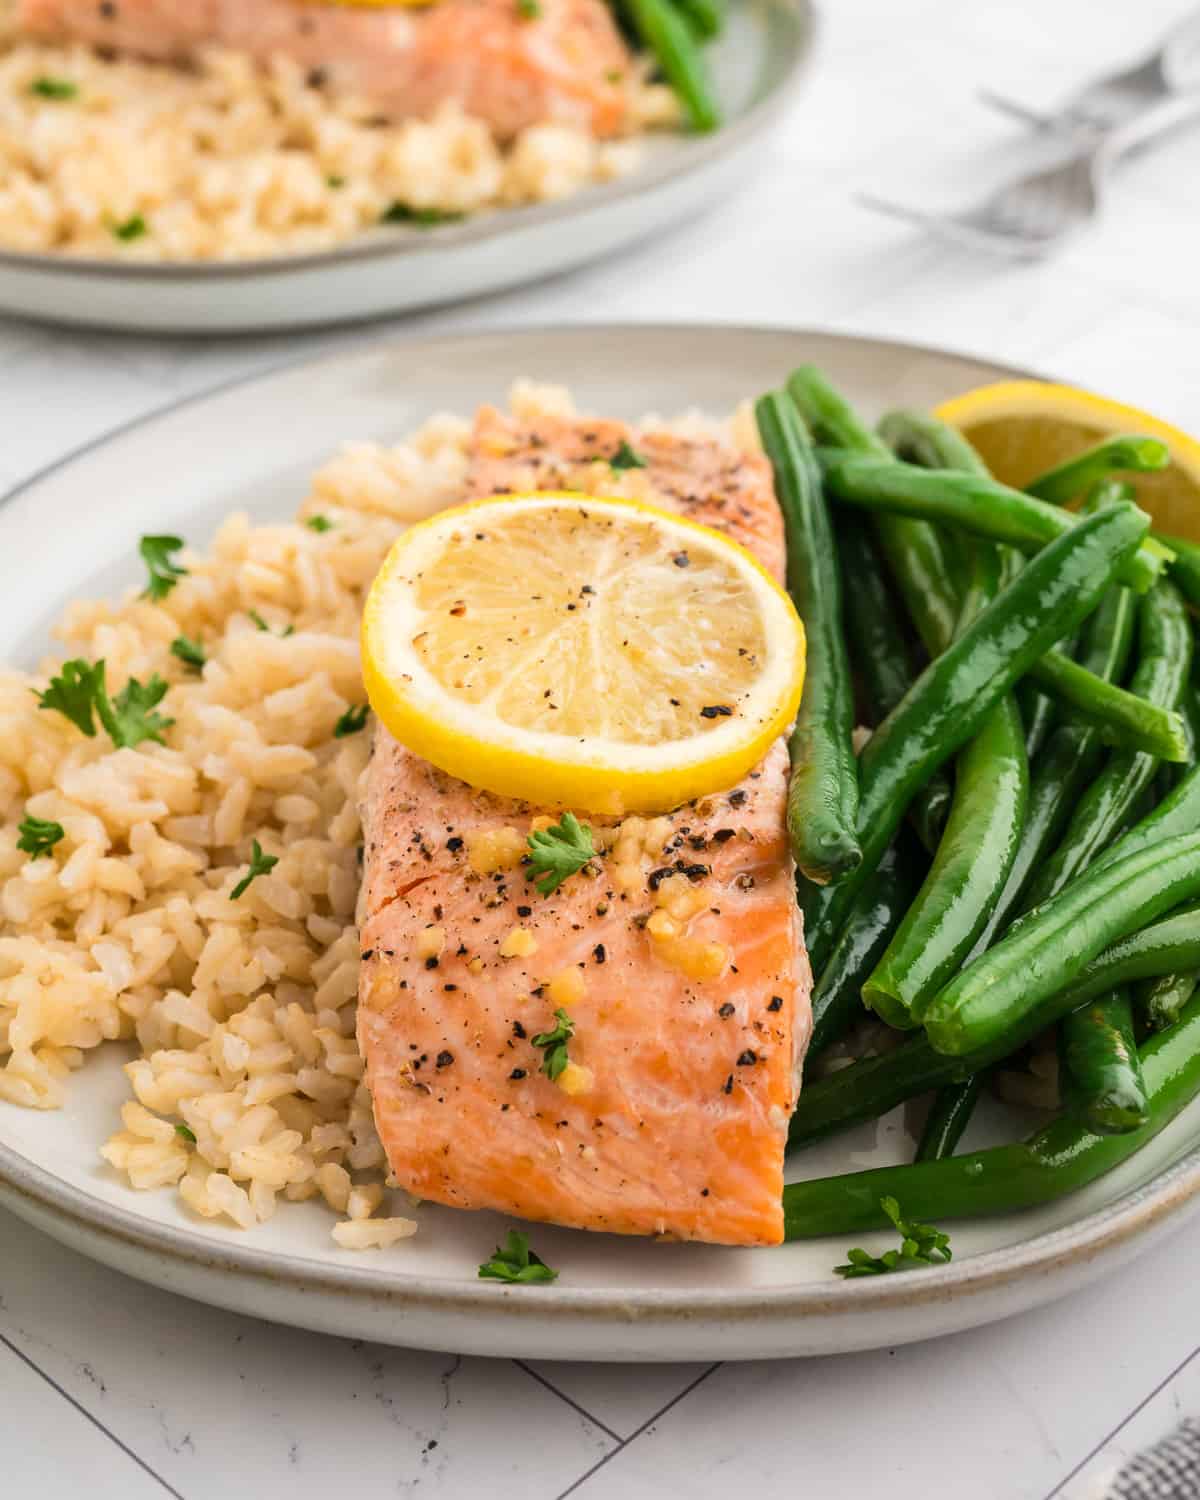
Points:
[[230, 160]]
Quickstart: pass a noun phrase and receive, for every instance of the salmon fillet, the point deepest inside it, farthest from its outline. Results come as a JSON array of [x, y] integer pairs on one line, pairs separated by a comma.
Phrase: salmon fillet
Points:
[[678, 954], [565, 65]]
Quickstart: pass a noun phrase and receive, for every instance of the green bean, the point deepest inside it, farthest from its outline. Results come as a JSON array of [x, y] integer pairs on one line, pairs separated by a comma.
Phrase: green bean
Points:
[[1185, 570], [1131, 453], [916, 553], [823, 790], [1054, 1161], [666, 34], [883, 900], [1165, 642], [979, 505], [874, 1085], [881, 657], [707, 17], [1100, 1074], [1037, 715], [1123, 719], [949, 1115], [947, 704], [1161, 1001], [918, 438], [1042, 953]]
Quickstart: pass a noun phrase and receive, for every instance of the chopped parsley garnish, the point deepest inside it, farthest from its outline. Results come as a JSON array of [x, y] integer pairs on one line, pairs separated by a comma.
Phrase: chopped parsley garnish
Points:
[[79, 693], [191, 653], [515, 1262], [38, 837], [354, 719], [164, 572], [334, 181], [319, 523], [626, 458], [920, 1245], [185, 1134], [559, 851], [424, 218], [132, 229], [54, 88], [528, 10], [260, 864], [554, 1045], [261, 624]]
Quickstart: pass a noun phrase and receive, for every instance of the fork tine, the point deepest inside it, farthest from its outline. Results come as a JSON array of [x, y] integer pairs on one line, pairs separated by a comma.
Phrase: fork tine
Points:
[[953, 230], [1015, 111], [896, 210]]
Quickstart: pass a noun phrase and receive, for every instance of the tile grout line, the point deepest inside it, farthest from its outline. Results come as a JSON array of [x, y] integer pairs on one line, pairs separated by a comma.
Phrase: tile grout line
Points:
[[562, 1396], [1124, 1422], [83, 1412], [637, 1432]]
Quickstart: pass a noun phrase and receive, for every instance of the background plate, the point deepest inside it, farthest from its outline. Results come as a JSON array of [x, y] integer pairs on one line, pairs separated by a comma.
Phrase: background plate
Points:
[[617, 1299], [756, 65]]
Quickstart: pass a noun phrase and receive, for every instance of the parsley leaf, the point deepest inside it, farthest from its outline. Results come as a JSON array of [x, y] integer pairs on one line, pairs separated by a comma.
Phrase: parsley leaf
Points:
[[424, 218], [260, 864], [514, 1261], [334, 181], [38, 836], [190, 653], [554, 1045], [354, 719], [920, 1245], [130, 717], [262, 625], [132, 229], [319, 523], [185, 1134], [626, 458], [559, 851], [529, 10], [73, 693], [54, 88], [164, 573]]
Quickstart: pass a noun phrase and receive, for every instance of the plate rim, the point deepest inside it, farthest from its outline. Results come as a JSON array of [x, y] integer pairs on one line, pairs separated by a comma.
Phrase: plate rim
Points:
[[1126, 1218], [491, 226]]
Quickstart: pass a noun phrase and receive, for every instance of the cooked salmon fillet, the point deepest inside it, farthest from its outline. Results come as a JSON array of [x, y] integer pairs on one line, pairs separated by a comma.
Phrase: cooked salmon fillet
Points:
[[565, 65], [677, 954]]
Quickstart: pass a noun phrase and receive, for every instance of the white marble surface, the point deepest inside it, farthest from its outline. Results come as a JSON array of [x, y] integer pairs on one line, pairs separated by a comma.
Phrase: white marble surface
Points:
[[112, 1389]]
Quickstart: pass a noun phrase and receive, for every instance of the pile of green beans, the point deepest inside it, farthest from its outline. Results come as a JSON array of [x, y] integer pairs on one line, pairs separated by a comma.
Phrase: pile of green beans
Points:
[[1012, 859]]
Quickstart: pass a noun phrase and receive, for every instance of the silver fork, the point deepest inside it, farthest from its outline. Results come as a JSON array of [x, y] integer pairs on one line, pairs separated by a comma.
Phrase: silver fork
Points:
[[1032, 216], [1106, 102]]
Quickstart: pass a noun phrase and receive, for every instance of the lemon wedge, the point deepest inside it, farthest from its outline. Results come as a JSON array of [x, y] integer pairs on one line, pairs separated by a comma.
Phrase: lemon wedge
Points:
[[601, 655], [1021, 428]]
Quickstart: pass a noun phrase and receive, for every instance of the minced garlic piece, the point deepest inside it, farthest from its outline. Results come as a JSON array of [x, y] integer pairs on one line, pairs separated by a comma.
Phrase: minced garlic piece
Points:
[[475, 967], [678, 896], [519, 943], [661, 925], [566, 988], [431, 942], [575, 1079], [691, 957], [676, 901], [492, 849]]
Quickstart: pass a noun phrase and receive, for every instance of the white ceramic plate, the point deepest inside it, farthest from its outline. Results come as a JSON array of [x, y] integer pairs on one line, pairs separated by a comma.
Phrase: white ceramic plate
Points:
[[72, 530], [756, 65]]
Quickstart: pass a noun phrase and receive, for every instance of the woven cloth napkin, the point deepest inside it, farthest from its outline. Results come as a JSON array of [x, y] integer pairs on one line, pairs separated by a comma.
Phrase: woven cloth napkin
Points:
[[1168, 1471]]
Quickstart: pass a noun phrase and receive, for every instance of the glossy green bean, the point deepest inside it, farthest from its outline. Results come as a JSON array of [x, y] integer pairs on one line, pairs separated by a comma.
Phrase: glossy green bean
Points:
[[1159, 1002], [667, 36], [949, 1115], [1132, 454], [882, 902], [1100, 1074], [707, 17], [979, 505], [1165, 646], [1037, 715], [1054, 1161], [1041, 954], [822, 800], [874, 1085], [918, 438], [1124, 719], [949, 701], [1185, 570], [874, 630]]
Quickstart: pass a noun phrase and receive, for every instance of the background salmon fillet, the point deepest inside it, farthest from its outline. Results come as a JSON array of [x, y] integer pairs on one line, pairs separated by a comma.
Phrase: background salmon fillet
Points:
[[564, 66], [681, 1130]]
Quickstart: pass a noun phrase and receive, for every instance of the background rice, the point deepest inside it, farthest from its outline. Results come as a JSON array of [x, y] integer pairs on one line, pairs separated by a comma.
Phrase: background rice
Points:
[[242, 1012], [231, 160]]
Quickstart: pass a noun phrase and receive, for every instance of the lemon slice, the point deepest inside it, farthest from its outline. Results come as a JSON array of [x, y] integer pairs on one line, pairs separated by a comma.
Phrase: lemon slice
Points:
[[594, 654], [1024, 427]]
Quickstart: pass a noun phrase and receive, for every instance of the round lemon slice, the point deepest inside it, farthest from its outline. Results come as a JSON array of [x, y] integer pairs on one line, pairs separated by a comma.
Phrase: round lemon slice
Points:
[[1024, 427], [594, 654]]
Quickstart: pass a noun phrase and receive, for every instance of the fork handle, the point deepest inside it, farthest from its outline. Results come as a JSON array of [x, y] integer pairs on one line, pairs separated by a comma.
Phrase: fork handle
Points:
[[1146, 125]]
